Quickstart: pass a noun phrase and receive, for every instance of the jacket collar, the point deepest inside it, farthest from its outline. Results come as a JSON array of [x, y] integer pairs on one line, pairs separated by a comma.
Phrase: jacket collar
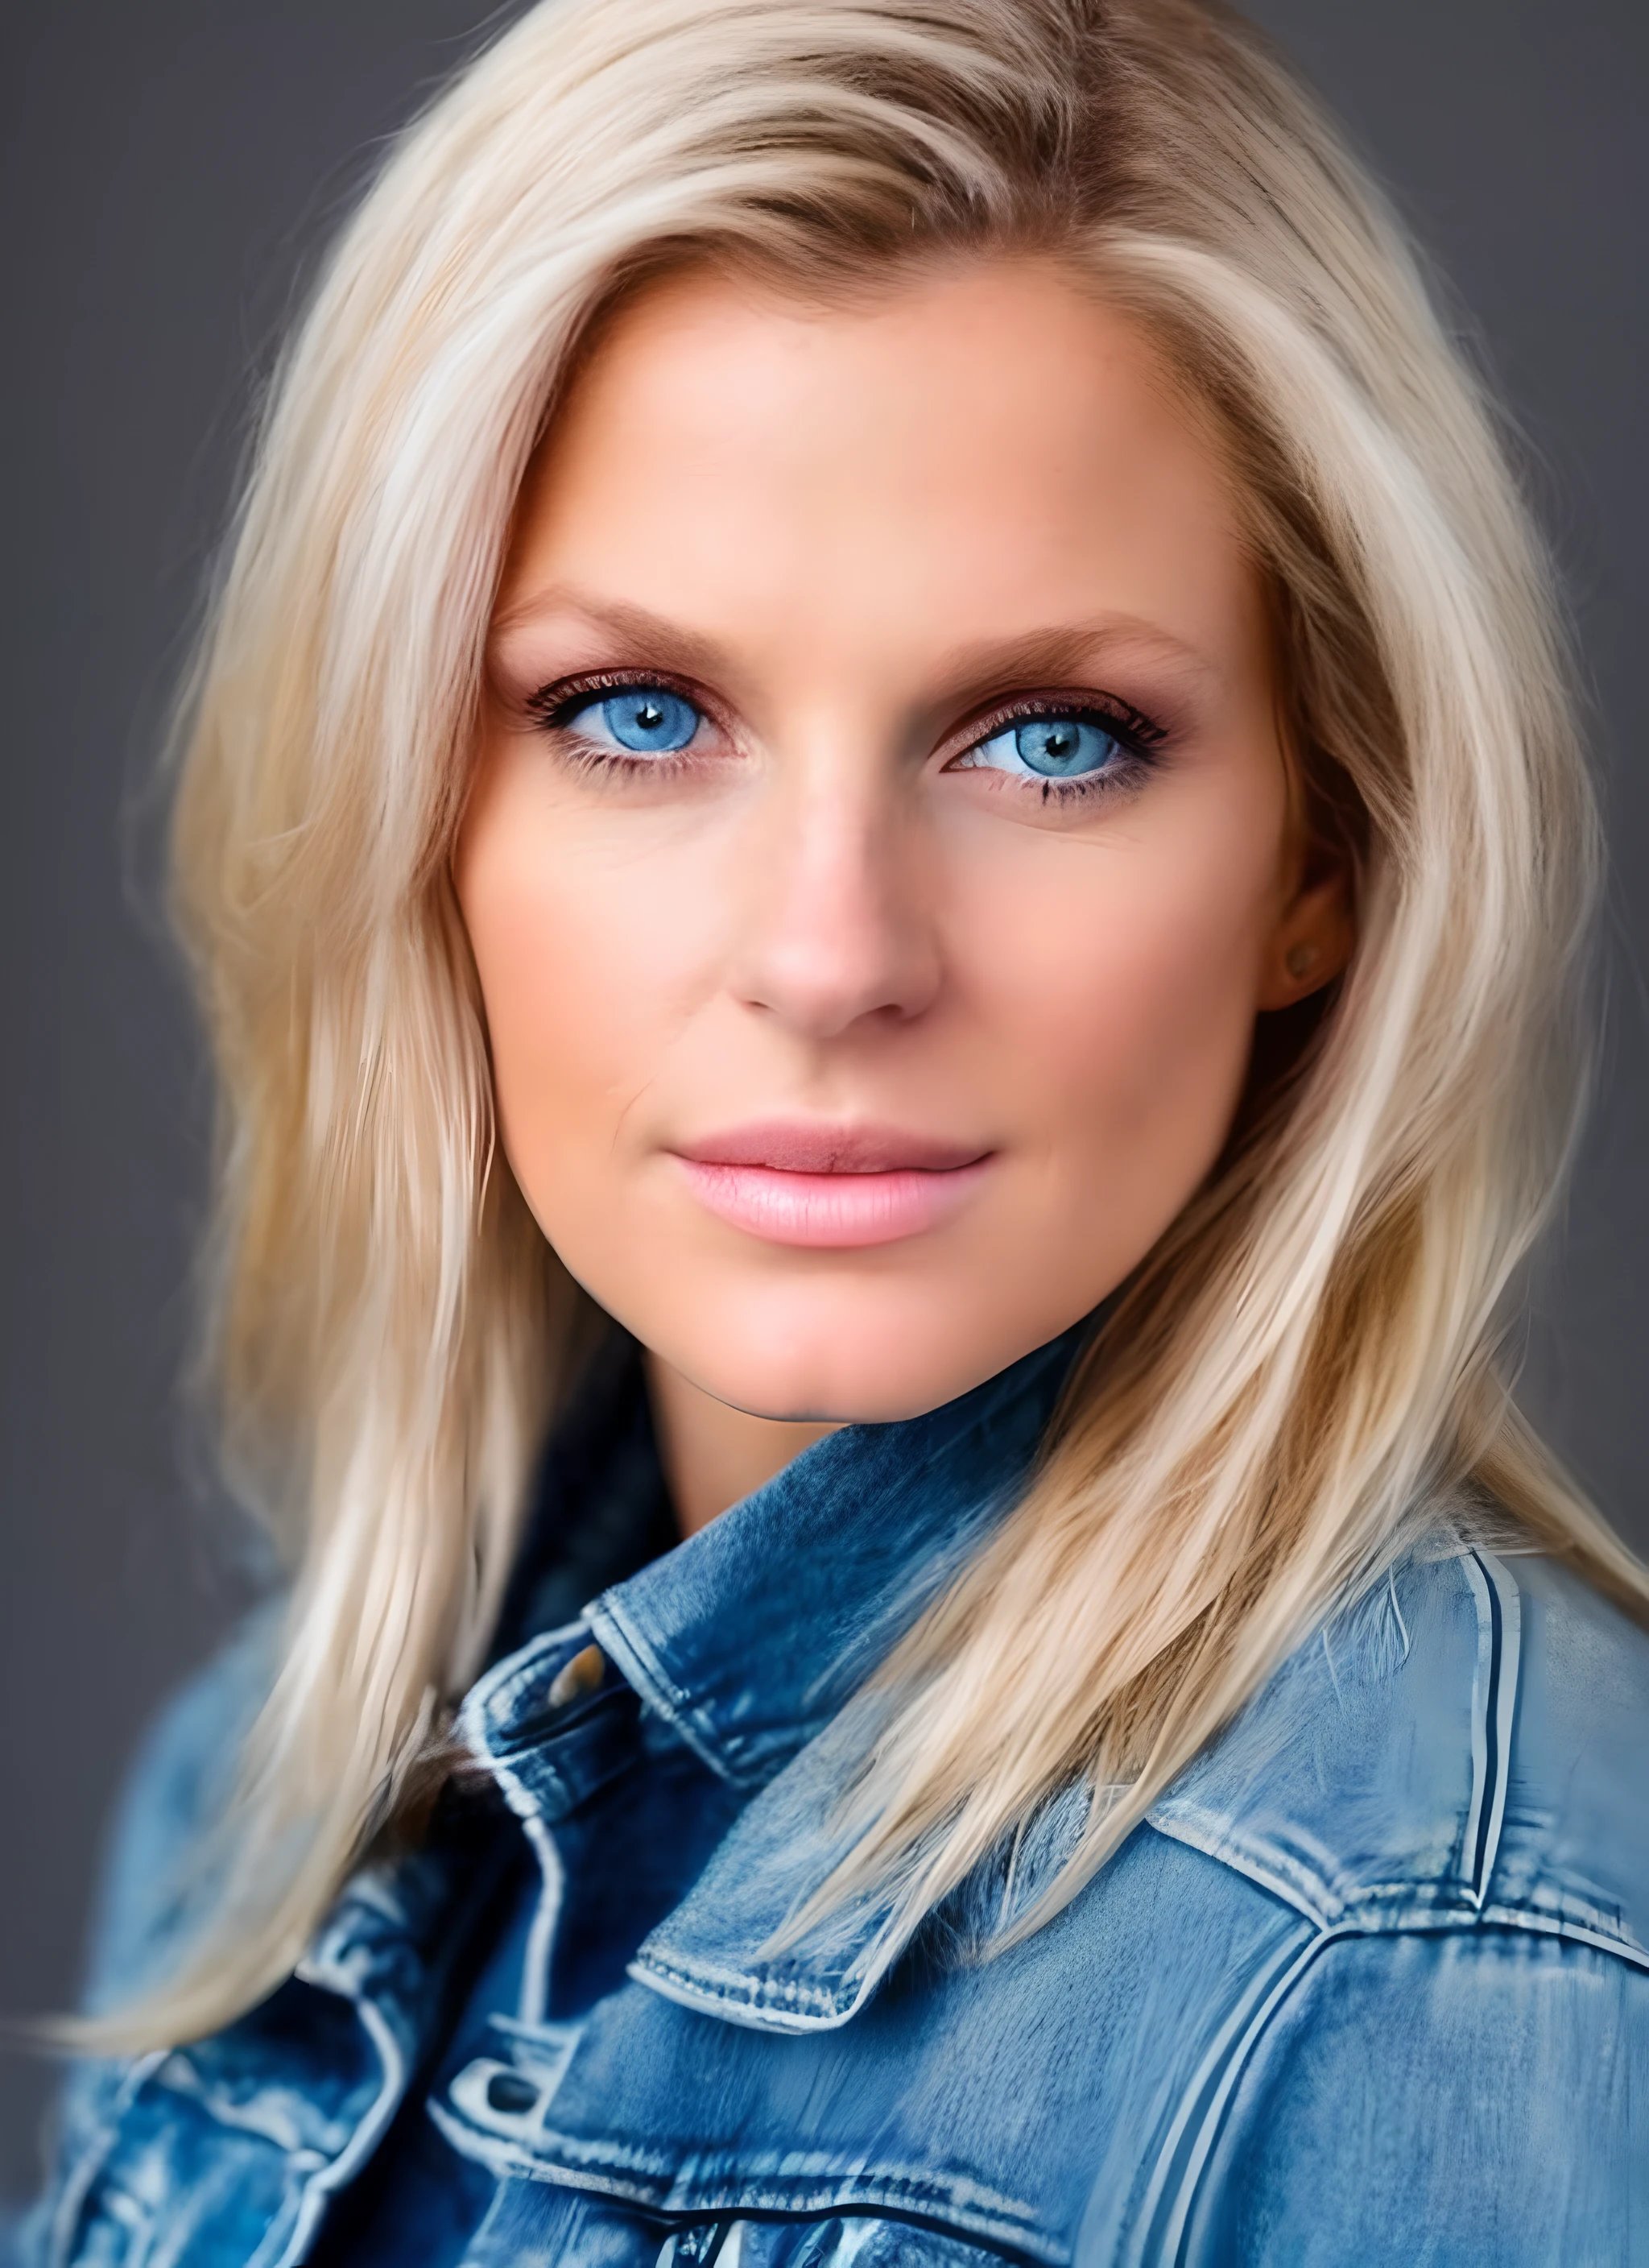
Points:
[[748, 1636]]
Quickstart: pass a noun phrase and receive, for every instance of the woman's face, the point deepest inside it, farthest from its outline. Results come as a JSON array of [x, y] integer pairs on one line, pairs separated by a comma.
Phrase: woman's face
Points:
[[881, 842]]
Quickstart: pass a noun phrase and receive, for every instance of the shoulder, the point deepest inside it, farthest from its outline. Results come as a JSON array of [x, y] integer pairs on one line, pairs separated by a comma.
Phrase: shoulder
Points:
[[1461, 1746], [157, 1870], [1449, 2057], [157, 1875], [1477, 2096], [1573, 1849]]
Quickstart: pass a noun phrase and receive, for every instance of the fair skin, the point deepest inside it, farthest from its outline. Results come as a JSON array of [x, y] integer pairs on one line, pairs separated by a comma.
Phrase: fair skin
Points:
[[881, 844]]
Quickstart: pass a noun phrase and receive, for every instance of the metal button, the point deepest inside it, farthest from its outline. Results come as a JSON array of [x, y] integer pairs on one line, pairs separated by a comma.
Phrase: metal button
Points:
[[507, 2091], [581, 1676]]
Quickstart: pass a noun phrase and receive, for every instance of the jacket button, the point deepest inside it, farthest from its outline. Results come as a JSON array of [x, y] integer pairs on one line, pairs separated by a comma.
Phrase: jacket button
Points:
[[581, 1676], [509, 2092]]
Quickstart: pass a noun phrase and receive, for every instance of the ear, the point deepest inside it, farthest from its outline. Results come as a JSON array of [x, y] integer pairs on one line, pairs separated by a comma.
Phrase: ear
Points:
[[1312, 941]]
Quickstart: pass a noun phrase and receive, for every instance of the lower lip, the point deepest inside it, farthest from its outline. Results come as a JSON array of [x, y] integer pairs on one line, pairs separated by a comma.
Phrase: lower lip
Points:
[[831, 1210]]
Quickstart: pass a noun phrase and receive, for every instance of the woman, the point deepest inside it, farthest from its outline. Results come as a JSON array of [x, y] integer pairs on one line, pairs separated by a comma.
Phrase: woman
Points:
[[880, 807]]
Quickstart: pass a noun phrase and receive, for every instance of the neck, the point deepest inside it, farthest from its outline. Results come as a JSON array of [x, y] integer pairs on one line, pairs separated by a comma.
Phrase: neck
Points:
[[712, 1454]]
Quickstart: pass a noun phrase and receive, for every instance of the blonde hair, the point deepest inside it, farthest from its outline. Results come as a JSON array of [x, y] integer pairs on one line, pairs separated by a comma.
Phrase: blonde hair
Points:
[[1313, 1348]]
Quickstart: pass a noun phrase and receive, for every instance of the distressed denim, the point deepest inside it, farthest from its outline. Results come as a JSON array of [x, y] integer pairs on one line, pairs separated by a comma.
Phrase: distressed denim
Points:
[[1369, 1985]]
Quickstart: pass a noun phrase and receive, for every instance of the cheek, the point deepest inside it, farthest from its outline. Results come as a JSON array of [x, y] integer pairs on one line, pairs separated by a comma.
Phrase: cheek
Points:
[[590, 957], [1124, 990]]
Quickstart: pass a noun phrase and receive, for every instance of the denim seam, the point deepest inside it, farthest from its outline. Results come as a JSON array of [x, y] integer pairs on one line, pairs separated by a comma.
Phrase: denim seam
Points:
[[1493, 1706], [1430, 1905], [474, 1725], [1223, 2086], [721, 1986], [368, 2133], [498, 1693], [1273, 1870], [621, 1638], [655, 2182], [1224, 2056], [1495, 1600], [1540, 1925], [1474, 1925], [91, 2161], [693, 1721]]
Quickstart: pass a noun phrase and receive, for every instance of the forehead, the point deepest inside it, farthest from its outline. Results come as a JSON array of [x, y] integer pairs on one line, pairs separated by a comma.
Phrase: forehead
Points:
[[991, 440]]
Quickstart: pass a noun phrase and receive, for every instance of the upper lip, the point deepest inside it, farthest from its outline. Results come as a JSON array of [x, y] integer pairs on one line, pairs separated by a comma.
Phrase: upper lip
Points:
[[800, 1146]]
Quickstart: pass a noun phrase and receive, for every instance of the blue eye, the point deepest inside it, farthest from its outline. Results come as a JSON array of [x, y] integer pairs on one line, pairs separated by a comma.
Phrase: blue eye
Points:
[[1050, 749], [644, 720]]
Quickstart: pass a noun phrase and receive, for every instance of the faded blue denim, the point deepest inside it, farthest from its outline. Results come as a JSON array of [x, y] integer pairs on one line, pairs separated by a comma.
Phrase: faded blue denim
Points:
[[1370, 1987]]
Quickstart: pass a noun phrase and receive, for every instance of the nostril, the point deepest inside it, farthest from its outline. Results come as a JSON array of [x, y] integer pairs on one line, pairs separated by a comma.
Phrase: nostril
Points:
[[508, 2091]]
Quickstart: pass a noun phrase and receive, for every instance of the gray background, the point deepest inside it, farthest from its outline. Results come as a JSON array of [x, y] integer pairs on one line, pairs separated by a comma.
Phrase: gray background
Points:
[[168, 168]]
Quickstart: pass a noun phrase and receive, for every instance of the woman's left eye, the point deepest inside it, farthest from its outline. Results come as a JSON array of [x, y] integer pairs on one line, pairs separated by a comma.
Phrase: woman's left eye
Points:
[[1053, 748], [642, 720]]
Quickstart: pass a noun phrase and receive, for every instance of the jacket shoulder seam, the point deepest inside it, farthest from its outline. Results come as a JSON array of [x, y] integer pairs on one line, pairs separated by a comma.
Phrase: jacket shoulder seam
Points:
[[1170, 2203], [1310, 1888]]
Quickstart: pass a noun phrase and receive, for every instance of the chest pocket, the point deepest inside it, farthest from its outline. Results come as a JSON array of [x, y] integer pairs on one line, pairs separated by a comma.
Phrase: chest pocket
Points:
[[842, 2240], [535, 2225], [613, 2199]]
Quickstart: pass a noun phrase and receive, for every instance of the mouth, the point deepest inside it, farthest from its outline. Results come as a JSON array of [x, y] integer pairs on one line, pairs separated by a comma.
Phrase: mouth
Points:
[[795, 1181]]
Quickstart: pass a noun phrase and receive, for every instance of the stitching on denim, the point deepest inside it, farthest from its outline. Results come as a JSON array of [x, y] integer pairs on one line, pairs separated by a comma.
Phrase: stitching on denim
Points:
[[1275, 1870], [76, 2190], [1496, 1602], [1419, 1906], [747, 1989], [1540, 1924], [1235, 2063], [1498, 1705], [497, 1694], [651, 2180], [367, 2135], [1484, 1677], [705, 1738], [1219, 2061], [1469, 1925], [619, 1635]]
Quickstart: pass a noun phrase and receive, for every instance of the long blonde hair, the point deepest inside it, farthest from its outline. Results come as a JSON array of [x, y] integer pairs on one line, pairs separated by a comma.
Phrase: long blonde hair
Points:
[[1313, 1347]]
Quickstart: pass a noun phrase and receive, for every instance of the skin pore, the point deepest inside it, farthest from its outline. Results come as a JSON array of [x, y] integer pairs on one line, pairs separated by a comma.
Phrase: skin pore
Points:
[[881, 841]]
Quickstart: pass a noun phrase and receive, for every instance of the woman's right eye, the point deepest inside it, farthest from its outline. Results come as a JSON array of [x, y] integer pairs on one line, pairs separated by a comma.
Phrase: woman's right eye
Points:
[[634, 720]]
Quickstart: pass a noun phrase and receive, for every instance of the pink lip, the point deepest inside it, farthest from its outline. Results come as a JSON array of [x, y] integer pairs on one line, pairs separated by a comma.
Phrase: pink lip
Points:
[[792, 1182]]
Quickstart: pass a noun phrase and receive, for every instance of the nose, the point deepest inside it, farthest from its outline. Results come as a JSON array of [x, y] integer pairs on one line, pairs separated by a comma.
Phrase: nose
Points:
[[841, 919]]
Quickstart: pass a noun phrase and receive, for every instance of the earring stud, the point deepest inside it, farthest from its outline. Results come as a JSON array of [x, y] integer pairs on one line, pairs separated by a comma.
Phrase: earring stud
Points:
[[1301, 959]]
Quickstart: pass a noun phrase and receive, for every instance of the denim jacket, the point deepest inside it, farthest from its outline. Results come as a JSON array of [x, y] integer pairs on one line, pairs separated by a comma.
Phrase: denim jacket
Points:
[[1370, 1985]]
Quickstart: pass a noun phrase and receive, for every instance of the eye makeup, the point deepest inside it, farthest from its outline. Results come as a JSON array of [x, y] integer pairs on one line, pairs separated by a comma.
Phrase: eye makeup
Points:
[[621, 722], [1066, 747]]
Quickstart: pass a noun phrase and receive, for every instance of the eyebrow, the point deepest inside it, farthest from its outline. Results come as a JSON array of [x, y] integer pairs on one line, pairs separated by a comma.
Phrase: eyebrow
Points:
[[1063, 652], [668, 642], [1068, 651]]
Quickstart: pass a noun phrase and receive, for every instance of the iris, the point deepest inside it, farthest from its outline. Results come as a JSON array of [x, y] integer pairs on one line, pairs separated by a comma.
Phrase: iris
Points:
[[648, 720], [1059, 748]]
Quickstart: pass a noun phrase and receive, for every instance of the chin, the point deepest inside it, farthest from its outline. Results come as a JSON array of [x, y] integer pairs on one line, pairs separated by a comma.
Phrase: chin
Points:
[[841, 1354]]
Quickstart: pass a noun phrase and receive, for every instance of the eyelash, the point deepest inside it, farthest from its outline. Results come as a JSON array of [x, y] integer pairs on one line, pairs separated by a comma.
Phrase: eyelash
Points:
[[1139, 738], [553, 706]]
